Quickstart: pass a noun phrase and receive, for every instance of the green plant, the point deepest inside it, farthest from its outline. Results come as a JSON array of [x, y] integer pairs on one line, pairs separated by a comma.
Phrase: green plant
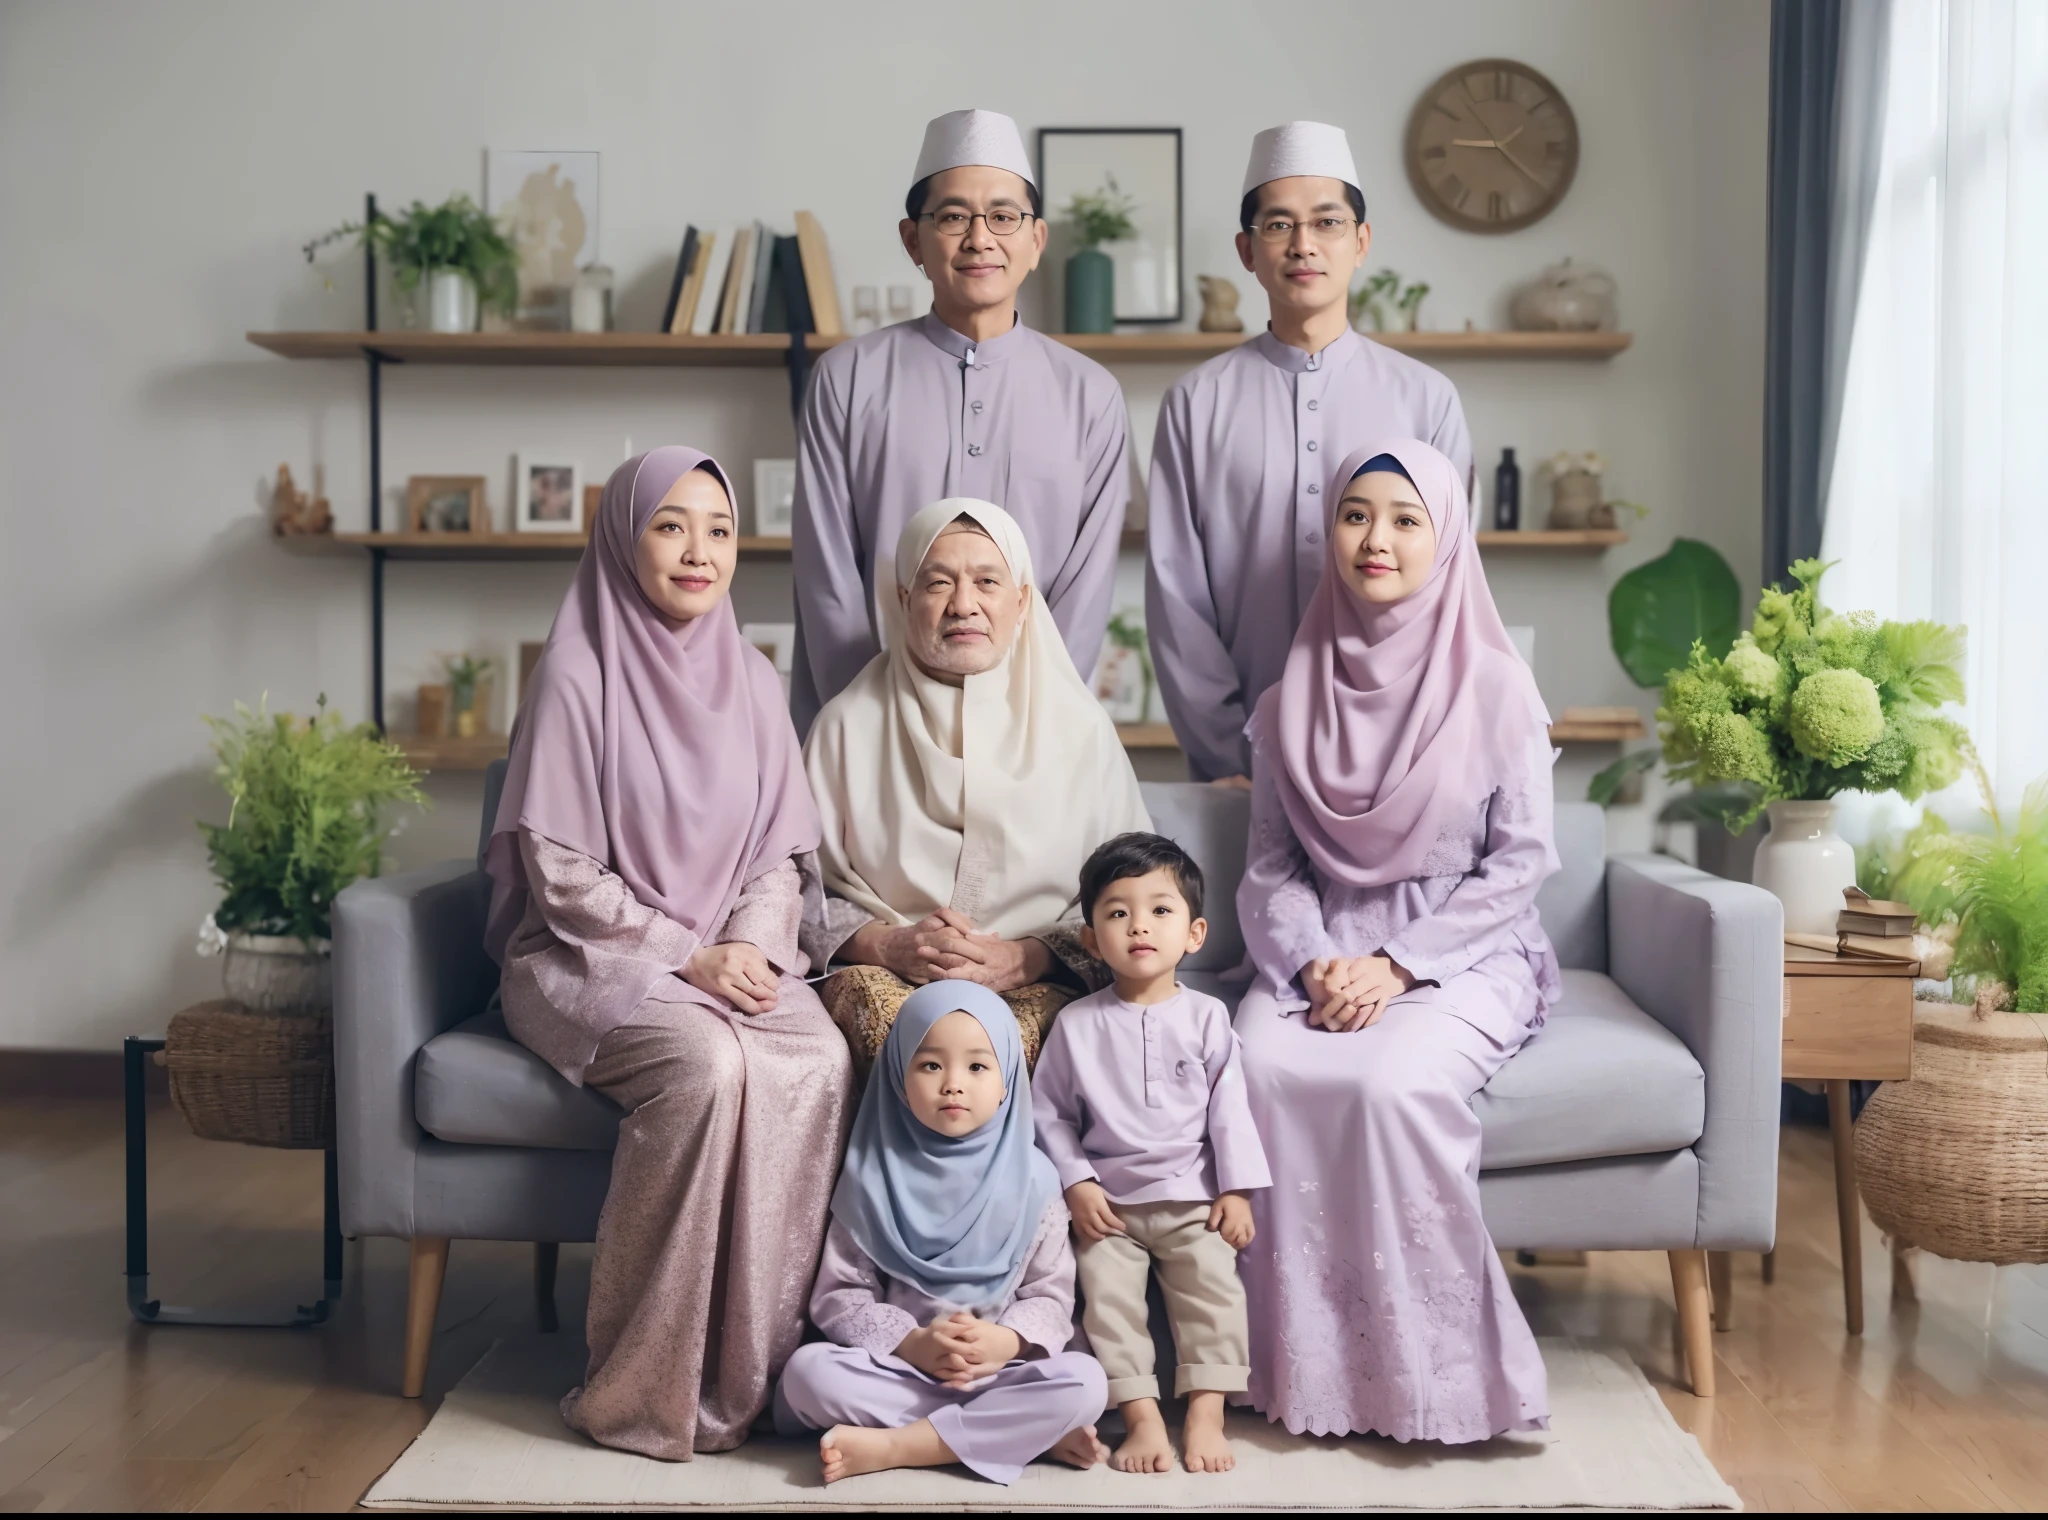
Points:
[[1382, 291], [304, 816], [1655, 615], [452, 235], [1810, 702], [1128, 632], [463, 674], [1104, 217]]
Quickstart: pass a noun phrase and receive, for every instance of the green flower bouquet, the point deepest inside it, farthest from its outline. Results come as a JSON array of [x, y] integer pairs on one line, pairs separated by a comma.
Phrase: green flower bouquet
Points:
[[1810, 702]]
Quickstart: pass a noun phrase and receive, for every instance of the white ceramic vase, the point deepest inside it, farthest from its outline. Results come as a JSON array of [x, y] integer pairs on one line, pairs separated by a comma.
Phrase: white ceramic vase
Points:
[[1806, 865], [273, 973], [451, 301]]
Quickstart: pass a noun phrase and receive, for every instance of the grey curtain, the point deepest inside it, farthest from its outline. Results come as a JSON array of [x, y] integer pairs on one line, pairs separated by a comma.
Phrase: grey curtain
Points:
[[1827, 102]]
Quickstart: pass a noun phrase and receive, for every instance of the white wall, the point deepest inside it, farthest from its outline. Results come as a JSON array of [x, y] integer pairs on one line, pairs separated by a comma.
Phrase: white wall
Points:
[[160, 166]]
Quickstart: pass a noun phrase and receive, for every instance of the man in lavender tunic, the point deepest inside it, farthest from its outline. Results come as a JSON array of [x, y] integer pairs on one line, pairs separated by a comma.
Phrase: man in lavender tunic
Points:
[[1245, 444], [965, 401]]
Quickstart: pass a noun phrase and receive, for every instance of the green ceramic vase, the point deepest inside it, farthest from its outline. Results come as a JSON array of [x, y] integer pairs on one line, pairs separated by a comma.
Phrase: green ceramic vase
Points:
[[1091, 292]]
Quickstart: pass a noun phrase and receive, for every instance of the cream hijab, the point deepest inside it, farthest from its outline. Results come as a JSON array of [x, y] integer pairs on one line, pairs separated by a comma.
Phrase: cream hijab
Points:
[[984, 797]]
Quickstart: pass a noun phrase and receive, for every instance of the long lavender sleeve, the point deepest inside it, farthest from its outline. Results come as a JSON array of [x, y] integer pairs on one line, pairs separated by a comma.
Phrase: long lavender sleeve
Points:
[[1233, 1137], [1198, 679], [768, 916], [1041, 1308], [1488, 904], [1279, 905], [828, 560], [848, 1300], [1079, 591]]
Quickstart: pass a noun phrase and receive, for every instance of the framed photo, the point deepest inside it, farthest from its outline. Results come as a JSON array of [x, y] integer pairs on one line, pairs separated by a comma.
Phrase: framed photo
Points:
[[774, 496], [1141, 164], [446, 504], [548, 202], [547, 493], [778, 642]]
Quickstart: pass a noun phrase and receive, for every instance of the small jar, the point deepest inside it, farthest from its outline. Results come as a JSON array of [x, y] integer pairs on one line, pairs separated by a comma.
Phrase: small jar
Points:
[[867, 309], [900, 308], [590, 300]]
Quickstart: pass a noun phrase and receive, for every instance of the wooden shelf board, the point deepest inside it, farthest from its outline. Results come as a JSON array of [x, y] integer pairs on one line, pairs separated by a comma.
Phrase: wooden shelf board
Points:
[[1583, 540], [1613, 731], [765, 350], [484, 546], [1147, 736], [449, 753]]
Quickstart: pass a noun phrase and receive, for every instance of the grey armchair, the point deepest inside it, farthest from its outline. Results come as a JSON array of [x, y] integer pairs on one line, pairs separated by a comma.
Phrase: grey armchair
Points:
[[1643, 1117]]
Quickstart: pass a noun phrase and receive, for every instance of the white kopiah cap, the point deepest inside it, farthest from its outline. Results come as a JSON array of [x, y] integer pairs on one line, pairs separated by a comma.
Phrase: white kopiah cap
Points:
[[973, 137], [1300, 147]]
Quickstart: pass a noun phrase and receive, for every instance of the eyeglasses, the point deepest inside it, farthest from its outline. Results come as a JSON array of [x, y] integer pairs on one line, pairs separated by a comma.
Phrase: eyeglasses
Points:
[[1002, 221], [1326, 229]]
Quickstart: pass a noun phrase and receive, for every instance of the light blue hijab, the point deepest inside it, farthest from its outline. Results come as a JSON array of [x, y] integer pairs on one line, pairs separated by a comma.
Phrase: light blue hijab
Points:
[[955, 1218]]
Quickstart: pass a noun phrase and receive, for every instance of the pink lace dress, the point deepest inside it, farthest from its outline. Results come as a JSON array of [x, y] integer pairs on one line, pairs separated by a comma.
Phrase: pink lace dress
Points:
[[1377, 1301]]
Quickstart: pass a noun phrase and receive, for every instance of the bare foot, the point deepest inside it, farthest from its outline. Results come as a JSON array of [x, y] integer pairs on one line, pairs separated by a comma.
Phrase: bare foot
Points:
[[847, 1451], [1202, 1444], [1079, 1448], [1146, 1448]]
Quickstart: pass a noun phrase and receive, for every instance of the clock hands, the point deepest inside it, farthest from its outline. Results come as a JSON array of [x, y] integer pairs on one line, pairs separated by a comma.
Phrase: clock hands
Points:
[[1501, 146]]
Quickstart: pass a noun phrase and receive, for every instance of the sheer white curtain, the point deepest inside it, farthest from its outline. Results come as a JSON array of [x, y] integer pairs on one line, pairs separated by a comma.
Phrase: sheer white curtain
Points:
[[1937, 501]]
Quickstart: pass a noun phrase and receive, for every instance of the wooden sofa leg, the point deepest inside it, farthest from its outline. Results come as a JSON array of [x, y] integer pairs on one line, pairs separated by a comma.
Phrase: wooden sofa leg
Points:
[[1695, 1318], [547, 1256], [422, 1304], [1721, 1278]]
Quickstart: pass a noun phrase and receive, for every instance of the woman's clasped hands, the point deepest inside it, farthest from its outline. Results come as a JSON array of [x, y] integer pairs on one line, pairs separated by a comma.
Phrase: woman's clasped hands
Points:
[[958, 1349], [737, 972], [1347, 992]]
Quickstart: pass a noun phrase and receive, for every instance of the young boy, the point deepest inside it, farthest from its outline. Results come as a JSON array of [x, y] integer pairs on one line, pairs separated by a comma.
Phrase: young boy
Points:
[[1140, 1102]]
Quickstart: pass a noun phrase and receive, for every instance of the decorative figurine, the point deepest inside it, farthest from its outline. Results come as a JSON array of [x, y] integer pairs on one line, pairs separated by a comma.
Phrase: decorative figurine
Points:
[[291, 513], [1219, 304]]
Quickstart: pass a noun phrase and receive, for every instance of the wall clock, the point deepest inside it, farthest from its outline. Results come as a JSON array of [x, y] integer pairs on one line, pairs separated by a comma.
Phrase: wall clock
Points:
[[1492, 146]]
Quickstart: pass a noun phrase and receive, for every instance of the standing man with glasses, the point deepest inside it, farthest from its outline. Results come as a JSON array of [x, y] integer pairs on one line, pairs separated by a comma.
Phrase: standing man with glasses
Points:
[[964, 401], [1241, 461]]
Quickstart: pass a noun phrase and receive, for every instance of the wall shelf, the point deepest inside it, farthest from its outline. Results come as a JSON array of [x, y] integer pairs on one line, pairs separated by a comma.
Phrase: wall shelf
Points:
[[452, 753], [1598, 725], [1568, 540], [770, 350], [481, 546]]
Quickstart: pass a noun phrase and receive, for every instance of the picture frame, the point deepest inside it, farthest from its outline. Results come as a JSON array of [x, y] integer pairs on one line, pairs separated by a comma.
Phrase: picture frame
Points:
[[774, 497], [548, 201], [446, 504], [547, 492], [778, 642], [1145, 164]]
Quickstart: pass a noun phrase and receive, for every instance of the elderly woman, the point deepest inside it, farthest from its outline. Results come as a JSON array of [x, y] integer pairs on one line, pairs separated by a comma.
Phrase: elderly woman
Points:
[[962, 778], [646, 861], [1401, 825]]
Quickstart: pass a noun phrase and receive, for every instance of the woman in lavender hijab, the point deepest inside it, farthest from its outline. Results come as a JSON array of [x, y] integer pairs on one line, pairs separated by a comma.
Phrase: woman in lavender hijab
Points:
[[1401, 825], [646, 866]]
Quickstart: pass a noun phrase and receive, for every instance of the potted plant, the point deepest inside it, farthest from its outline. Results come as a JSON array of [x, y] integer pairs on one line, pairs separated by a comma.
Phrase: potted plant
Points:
[[305, 818], [454, 252], [1124, 677], [1806, 704], [1382, 297], [465, 674], [1956, 1160], [1104, 217]]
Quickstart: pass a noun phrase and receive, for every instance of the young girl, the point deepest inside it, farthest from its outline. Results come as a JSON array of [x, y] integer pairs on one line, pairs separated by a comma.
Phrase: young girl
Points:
[[947, 1288]]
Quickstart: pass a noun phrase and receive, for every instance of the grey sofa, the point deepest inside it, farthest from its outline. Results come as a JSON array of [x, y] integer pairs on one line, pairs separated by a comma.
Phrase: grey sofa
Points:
[[1643, 1117]]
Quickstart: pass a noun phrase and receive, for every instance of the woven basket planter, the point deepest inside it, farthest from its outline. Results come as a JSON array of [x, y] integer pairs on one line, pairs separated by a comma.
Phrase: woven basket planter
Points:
[[1956, 1160], [258, 1078]]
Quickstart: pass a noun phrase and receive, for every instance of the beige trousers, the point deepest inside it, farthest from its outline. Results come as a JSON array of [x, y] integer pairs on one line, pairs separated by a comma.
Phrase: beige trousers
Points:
[[1204, 1301]]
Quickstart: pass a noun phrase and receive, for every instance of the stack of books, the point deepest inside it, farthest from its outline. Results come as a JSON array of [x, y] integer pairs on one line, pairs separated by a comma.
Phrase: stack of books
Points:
[[750, 279], [1867, 928]]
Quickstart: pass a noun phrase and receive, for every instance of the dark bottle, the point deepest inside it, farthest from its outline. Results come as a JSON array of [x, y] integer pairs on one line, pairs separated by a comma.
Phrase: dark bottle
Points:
[[1507, 493]]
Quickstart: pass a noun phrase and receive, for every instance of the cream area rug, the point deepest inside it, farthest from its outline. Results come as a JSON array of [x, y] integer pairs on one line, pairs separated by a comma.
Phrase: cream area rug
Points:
[[499, 1440]]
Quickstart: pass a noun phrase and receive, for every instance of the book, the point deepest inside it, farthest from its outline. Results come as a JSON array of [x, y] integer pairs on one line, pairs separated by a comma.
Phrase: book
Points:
[[1882, 947], [693, 287], [733, 318], [794, 287], [675, 284], [818, 280], [712, 296], [764, 256], [1864, 914]]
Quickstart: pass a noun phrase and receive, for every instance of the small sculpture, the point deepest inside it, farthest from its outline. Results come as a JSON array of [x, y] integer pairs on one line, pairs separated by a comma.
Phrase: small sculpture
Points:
[[292, 513], [1219, 304]]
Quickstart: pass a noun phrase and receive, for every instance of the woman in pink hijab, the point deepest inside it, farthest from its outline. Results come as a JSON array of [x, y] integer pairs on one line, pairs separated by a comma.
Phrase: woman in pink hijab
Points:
[[647, 862], [1401, 824]]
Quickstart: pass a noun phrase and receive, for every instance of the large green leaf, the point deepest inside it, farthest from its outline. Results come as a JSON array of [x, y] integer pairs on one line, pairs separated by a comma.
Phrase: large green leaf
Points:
[[1656, 610]]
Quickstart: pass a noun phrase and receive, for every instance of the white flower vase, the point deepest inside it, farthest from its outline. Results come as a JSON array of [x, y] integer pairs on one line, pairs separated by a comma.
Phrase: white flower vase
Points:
[[451, 301], [1806, 865], [276, 974]]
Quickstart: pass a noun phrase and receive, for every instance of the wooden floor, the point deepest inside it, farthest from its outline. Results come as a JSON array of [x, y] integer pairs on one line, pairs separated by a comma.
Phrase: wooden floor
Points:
[[1942, 1404]]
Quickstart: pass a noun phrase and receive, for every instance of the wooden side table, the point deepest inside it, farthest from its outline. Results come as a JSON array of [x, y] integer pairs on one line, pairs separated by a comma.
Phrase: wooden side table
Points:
[[1847, 1019]]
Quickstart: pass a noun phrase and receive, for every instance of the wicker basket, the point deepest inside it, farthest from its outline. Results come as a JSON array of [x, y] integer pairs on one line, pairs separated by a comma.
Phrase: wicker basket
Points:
[[1956, 1160], [259, 1078]]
